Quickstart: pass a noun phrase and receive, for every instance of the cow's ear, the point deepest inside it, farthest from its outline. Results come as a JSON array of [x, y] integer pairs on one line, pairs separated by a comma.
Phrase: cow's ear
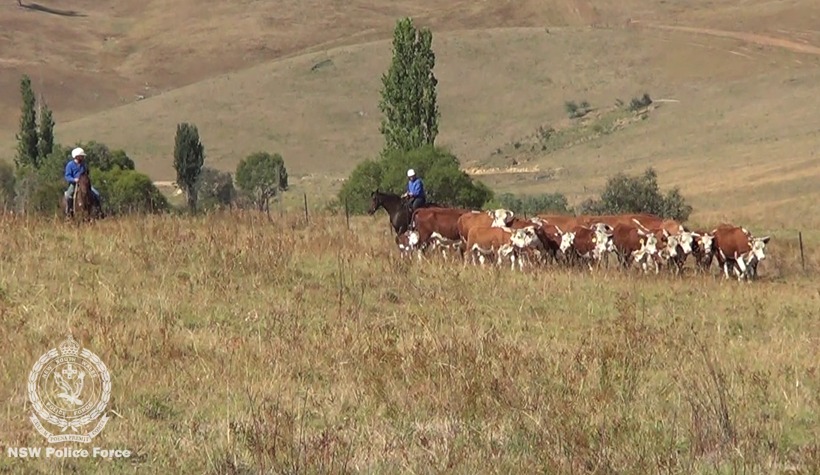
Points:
[[765, 239]]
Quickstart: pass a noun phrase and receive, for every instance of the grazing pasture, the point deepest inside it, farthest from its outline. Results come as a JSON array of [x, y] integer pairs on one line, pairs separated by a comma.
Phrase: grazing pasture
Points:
[[238, 345]]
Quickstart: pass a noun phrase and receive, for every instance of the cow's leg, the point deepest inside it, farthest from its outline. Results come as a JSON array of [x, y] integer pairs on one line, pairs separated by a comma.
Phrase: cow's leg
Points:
[[741, 265]]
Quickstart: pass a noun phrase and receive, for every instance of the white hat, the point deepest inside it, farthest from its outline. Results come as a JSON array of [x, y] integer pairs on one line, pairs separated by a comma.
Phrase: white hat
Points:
[[77, 152], [411, 172]]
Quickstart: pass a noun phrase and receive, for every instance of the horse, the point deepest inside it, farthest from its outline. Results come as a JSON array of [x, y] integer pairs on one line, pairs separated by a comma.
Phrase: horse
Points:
[[397, 208], [84, 200]]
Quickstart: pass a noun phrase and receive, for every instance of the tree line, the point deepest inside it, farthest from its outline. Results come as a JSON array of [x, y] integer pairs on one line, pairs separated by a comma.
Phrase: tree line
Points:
[[35, 183], [409, 125]]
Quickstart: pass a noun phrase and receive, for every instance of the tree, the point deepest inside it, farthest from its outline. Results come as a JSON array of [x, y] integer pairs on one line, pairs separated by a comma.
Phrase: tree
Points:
[[638, 194], [189, 157], [444, 181], [46, 140], [263, 176], [215, 188], [408, 95], [27, 138]]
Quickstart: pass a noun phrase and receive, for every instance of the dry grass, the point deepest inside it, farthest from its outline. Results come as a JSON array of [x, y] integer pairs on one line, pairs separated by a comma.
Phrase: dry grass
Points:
[[236, 344]]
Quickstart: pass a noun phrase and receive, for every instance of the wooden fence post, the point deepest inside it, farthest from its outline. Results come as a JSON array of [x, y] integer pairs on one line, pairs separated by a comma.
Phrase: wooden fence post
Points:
[[306, 210], [802, 256], [347, 214]]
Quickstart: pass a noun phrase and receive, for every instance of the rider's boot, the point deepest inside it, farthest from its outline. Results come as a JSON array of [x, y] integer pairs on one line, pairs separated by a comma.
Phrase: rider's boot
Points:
[[69, 207]]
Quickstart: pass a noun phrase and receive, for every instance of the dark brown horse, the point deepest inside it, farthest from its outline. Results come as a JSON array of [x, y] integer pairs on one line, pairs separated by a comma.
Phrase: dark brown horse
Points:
[[85, 204], [397, 209]]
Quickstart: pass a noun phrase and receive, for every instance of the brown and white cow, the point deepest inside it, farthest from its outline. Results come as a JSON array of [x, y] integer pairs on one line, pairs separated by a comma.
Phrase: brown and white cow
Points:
[[436, 226], [408, 242], [585, 243], [736, 248], [501, 242], [635, 245], [493, 218]]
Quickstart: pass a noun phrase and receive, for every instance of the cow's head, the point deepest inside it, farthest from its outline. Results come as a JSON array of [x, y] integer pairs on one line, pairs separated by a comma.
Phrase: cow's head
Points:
[[649, 245], [602, 238], [758, 246], [602, 228], [705, 242], [501, 217], [686, 239], [523, 237], [566, 240], [672, 243]]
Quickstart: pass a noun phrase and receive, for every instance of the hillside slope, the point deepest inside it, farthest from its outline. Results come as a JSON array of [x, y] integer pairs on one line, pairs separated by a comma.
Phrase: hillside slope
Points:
[[741, 139]]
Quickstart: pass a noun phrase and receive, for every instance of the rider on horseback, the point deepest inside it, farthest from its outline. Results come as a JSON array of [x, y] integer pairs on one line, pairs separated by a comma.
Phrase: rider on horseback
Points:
[[73, 170], [415, 191]]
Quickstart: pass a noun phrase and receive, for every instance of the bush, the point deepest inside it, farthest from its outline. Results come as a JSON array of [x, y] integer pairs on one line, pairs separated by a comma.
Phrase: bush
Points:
[[36, 192], [262, 176], [128, 191], [7, 182], [531, 205], [215, 189], [638, 194], [99, 156], [444, 181], [639, 103]]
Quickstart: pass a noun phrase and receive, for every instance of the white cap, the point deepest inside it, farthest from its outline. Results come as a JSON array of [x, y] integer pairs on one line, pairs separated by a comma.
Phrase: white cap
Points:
[[77, 152], [411, 172]]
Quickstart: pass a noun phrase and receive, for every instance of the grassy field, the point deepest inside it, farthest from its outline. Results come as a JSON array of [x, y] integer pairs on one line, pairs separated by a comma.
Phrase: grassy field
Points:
[[236, 345]]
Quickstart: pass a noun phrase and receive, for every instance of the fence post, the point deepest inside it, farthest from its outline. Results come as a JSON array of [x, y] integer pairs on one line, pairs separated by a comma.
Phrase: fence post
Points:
[[802, 257], [347, 214], [306, 210]]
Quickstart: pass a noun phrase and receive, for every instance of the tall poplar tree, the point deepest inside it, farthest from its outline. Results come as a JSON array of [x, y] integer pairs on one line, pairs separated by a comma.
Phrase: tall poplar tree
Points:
[[189, 157], [46, 139], [408, 95], [27, 138]]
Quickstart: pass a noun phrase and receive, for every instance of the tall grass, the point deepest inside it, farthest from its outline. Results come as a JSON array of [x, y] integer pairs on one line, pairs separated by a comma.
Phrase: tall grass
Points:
[[242, 345]]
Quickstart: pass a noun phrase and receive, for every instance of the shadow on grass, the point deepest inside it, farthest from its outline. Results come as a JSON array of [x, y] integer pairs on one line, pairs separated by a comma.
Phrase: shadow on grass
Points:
[[40, 8]]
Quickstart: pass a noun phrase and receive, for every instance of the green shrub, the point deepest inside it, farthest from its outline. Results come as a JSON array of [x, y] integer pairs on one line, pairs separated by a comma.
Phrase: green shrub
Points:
[[531, 205], [444, 182], [128, 191], [638, 194]]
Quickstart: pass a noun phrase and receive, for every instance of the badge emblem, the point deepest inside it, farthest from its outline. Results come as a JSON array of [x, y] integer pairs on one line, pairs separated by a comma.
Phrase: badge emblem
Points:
[[69, 388]]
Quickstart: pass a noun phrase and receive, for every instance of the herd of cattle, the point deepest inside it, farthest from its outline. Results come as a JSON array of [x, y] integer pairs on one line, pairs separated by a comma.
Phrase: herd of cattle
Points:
[[642, 240]]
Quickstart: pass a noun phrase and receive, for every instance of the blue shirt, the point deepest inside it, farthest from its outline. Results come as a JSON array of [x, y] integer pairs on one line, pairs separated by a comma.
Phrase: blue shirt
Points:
[[415, 188], [73, 170]]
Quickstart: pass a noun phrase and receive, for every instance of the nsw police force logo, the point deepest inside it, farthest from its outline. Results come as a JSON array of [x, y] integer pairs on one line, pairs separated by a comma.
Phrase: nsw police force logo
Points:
[[69, 389]]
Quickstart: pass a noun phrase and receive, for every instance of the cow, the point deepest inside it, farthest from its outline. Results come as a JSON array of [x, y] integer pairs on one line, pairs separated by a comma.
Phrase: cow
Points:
[[636, 245], [703, 249], [563, 221], [407, 243], [587, 244], [437, 241], [493, 218], [736, 248], [503, 242], [438, 222], [647, 220]]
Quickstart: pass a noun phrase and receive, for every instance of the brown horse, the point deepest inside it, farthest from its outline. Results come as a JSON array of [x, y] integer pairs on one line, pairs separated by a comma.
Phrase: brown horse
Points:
[[85, 205]]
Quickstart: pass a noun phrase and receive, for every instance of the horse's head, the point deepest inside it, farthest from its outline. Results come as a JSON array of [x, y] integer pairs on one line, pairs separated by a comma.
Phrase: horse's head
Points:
[[375, 201], [84, 180]]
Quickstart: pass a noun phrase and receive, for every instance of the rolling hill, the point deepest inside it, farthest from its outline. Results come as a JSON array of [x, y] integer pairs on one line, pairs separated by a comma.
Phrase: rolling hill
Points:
[[739, 135]]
